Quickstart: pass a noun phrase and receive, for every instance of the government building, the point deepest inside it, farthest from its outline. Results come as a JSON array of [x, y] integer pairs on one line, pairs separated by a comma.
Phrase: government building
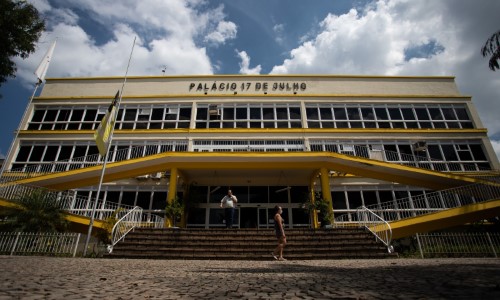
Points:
[[271, 139]]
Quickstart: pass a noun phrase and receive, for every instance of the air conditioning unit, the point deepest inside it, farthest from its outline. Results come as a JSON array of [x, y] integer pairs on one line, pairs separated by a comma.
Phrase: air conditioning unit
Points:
[[420, 146], [156, 176], [213, 110]]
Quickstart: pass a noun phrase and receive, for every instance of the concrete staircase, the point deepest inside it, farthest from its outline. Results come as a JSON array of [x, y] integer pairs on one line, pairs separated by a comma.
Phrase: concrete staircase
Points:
[[248, 244]]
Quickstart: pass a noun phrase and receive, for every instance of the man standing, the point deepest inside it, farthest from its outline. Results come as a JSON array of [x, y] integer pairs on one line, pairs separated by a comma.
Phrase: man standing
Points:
[[228, 203]]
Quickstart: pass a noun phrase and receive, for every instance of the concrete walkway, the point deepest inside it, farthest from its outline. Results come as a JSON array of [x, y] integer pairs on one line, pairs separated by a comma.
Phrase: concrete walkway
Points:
[[82, 278]]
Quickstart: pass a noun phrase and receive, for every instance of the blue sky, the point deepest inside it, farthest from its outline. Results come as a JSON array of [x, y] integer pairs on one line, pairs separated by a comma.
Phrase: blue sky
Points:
[[385, 37]]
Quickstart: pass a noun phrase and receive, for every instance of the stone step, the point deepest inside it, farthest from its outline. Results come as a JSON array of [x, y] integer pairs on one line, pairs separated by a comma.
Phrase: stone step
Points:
[[247, 244]]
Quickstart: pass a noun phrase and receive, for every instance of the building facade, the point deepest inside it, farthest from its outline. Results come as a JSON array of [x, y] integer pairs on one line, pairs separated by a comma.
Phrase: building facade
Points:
[[422, 122]]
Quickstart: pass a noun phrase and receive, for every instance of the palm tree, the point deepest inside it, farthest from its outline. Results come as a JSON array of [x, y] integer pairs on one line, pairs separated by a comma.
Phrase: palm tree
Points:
[[492, 48], [38, 212]]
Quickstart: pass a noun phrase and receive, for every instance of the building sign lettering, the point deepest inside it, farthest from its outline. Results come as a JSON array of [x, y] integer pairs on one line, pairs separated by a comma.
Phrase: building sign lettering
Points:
[[247, 86]]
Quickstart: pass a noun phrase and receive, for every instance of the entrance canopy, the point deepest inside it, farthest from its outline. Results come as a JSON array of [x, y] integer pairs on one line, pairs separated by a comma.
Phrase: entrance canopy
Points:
[[251, 168]]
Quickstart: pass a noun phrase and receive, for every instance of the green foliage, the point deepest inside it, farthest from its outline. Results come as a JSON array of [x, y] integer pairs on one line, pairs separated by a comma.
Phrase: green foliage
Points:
[[174, 210], [40, 212], [325, 216], [21, 27], [492, 48]]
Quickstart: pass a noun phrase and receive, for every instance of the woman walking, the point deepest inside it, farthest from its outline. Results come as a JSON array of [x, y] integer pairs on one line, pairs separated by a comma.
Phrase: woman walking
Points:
[[280, 233]]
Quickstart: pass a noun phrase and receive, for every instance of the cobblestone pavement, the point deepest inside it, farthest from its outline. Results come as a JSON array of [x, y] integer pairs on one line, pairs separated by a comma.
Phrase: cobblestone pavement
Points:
[[83, 278]]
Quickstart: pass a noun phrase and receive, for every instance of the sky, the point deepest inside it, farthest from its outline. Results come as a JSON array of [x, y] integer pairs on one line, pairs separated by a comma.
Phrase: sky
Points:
[[191, 37]]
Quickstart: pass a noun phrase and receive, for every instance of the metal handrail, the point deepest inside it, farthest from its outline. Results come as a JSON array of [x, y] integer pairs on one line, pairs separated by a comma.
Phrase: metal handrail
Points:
[[376, 225], [124, 225], [427, 203], [67, 200], [144, 150]]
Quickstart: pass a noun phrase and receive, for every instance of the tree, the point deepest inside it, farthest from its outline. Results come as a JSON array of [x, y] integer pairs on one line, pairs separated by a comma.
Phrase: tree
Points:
[[492, 48], [38, 212], [20, 28]]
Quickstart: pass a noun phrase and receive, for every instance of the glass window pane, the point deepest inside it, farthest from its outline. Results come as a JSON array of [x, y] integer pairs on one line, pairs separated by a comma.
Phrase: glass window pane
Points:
[[449, 152], [326, 113], [281, 113], [38, 116], [228, 113], [63, 115], [50, 115], [449, 114], [268, 113], [338, 199], [50, 153], [354, 199], [312, 113], [185, 113], [367, 113], [408, 114], [435, 114], [294, 113], [130, 114], [23, 153], [340, 113], [255, 113], [395, 114], [478, 152], [201, 113], [434, 152], [90, 115], [36, 154], [422, 114], [241, 113], [381, 113], [462, 114], [353, 113], [157, 114]]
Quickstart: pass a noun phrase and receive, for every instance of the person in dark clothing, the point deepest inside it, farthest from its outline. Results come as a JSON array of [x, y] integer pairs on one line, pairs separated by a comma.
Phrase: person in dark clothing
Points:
[[280, 233]]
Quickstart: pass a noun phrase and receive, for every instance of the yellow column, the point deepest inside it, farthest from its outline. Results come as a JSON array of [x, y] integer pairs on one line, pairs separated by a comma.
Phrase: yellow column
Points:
[[314, 213], [172, 192], [325, 189]]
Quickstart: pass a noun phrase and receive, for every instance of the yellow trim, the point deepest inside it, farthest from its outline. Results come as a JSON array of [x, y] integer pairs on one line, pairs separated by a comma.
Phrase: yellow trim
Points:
[[243, 95], [253, 161], [256, 130], [75, 220], [445, 219], [237, 76]]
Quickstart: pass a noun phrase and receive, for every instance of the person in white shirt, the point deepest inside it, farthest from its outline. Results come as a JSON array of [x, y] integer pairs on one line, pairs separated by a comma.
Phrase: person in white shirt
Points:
[[228, 203]]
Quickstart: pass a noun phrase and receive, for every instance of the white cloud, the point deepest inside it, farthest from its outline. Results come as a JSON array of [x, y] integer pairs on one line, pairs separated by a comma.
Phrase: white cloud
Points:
[[245, 64], [374, 40], [224, 31], [167, 33], [279, 30]]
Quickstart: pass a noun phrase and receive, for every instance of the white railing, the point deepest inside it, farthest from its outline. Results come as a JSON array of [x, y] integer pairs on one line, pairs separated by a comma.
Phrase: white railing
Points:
[[67, 200], [428, 203], [23, 243], [124, 225], [459, 244], [400, 158], [90, 161], [375, 224]]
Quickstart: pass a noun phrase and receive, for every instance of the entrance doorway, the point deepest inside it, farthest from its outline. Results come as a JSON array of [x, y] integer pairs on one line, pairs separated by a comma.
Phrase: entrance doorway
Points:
[[248, 217]]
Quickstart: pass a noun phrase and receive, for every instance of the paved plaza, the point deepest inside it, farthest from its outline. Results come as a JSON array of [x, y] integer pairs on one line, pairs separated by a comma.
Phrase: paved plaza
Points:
[[84, 278]]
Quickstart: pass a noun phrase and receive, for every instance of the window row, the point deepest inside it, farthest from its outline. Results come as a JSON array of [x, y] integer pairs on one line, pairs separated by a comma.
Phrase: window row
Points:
[[50, 157], [453, 156], [257, 115], [388, 116]]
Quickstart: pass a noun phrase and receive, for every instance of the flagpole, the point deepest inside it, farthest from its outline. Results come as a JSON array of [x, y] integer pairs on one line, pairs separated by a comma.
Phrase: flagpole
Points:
[[40, 72], [108, 146]]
